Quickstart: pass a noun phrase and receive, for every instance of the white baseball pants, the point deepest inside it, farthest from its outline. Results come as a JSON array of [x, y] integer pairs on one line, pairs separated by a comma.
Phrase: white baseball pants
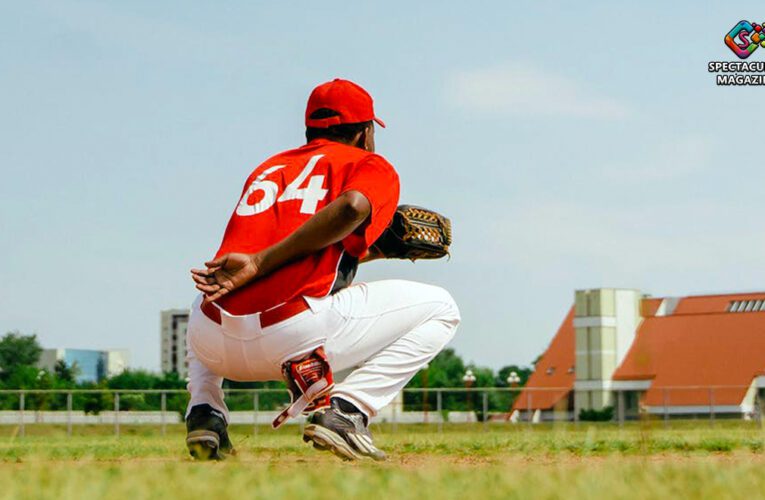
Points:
[[385, 331]]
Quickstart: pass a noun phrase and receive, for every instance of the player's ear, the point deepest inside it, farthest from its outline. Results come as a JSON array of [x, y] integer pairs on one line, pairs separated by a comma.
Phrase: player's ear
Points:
[[359, 139], [368, 136]]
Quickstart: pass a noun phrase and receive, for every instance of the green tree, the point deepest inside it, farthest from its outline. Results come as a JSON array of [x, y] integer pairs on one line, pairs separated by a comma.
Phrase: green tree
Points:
[[17, 350], [134, 379], [64, 373], [266, 400], [445, 370], [142, 379], [503, 401], [523, 372]]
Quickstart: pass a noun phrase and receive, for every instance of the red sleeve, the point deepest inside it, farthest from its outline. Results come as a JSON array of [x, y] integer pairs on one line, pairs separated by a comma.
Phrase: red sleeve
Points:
[[377, 180]]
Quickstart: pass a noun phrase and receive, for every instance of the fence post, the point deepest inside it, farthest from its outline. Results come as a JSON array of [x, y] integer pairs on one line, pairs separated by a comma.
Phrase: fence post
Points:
[[576, 413], [711, 405], [302, 423], [117, 414], [666, 407], [620, 407], [163, 407], [485, 397], [22, 428], [425, 404], [69, 413], [255, 410], [395, 413], [439, 409]]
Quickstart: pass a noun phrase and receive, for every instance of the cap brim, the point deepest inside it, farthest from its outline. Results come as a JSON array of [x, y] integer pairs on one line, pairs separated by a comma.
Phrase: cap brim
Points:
[[379, 122]]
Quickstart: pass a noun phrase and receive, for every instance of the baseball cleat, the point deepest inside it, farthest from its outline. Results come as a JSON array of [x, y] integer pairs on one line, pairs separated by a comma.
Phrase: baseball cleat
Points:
[[342, 429], [207, 437]]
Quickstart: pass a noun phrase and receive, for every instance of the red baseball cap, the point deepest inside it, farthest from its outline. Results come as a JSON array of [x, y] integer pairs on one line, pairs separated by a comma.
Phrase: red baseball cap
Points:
[[352, 103]]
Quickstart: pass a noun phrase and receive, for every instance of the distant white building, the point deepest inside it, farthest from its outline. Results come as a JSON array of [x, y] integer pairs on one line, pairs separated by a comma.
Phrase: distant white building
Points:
[[173, 326], [92, 365]]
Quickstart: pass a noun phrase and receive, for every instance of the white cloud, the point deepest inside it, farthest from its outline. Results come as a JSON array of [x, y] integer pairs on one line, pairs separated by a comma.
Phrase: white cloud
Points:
[[685, 238], [671, 158], [525, 90]]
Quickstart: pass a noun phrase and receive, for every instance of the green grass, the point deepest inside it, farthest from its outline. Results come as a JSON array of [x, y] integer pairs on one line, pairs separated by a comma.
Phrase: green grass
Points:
[[687, 460]]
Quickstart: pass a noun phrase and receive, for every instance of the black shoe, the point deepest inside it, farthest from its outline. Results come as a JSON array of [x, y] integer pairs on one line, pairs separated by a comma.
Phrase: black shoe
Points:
[[206, 435], [342, 429]]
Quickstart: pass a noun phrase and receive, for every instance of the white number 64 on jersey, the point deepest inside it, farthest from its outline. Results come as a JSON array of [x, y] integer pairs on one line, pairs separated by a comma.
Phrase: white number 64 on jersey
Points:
[[311, 194]]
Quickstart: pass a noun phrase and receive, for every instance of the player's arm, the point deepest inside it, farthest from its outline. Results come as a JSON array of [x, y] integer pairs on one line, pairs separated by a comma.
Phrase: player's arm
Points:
[[329, 225]]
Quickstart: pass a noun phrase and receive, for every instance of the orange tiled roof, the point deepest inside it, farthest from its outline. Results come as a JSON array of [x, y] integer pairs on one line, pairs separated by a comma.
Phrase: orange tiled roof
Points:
[[552, 371], [649, 306], [700, 344], [710, 304]]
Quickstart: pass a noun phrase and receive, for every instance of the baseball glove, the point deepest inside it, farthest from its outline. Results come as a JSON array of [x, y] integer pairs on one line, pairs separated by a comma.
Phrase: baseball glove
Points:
[[415, 233]]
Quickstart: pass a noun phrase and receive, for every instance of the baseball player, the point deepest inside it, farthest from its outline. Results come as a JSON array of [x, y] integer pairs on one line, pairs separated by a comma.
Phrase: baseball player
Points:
[[277, 300]]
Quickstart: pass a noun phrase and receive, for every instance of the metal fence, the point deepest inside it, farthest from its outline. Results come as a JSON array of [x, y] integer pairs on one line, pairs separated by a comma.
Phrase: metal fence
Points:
[[437, 406]]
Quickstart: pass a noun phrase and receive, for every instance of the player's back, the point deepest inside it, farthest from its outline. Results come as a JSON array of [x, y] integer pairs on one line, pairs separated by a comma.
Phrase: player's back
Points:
[[284, 192]]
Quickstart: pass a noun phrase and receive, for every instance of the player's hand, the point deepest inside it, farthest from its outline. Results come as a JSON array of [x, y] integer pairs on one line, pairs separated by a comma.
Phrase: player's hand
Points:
[[225, 274]]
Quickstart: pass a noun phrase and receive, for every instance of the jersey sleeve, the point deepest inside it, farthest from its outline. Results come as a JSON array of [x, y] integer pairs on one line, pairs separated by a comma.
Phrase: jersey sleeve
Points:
[[377, 180]]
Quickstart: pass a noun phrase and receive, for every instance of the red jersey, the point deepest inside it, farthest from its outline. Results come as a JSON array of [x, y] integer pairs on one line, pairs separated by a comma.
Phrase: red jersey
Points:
[[284, 192]]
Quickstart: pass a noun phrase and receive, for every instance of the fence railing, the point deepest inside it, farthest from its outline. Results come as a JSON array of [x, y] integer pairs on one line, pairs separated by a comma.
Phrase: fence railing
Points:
[[437, 405]]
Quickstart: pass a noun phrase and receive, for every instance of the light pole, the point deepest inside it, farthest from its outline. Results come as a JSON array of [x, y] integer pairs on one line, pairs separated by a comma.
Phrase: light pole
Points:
[[469, 380], [512, 381]]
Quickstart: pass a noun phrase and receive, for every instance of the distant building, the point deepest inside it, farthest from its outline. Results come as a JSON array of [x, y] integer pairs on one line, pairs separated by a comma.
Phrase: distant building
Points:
[[173, 326], [92, 365], [675, 356]]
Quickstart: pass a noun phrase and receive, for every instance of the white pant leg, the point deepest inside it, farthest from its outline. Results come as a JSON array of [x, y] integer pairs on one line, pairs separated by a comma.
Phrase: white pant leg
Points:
[[389, 330], [204, 386]]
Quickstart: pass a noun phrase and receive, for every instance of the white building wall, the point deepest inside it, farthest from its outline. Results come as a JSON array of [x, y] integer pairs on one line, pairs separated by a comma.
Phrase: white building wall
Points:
[[627, 321], [118, 361], [48, 358], [605, 324], [173, 325]]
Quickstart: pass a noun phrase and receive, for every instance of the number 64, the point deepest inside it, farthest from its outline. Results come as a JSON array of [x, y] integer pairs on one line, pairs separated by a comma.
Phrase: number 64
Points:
[[311, 194]]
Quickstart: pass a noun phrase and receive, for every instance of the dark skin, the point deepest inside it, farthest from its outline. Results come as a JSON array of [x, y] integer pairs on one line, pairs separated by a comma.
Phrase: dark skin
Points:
[[346, 214]]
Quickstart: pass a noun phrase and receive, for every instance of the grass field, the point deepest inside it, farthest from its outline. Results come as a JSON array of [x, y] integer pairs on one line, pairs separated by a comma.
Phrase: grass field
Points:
[[688, 460]]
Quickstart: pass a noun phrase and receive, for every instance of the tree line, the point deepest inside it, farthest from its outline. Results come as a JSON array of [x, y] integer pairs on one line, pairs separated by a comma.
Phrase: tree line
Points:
[[19, 369]]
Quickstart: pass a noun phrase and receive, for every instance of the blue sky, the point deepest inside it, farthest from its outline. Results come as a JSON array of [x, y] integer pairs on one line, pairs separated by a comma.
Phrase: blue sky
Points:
[[573, 146]]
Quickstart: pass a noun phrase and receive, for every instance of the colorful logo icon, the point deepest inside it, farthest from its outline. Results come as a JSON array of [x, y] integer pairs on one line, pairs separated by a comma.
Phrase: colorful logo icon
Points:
[[744, 38]]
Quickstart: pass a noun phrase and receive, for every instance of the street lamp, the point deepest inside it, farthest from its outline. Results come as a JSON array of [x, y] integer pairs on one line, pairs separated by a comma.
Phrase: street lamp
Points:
[[512, 381], [469, 380]]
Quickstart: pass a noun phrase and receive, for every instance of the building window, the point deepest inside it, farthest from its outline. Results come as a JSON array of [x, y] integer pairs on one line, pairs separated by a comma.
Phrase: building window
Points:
[[747, 306]]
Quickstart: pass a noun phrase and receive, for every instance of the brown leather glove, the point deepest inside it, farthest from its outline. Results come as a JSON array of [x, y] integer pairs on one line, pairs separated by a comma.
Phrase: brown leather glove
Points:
[[415, 233]]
